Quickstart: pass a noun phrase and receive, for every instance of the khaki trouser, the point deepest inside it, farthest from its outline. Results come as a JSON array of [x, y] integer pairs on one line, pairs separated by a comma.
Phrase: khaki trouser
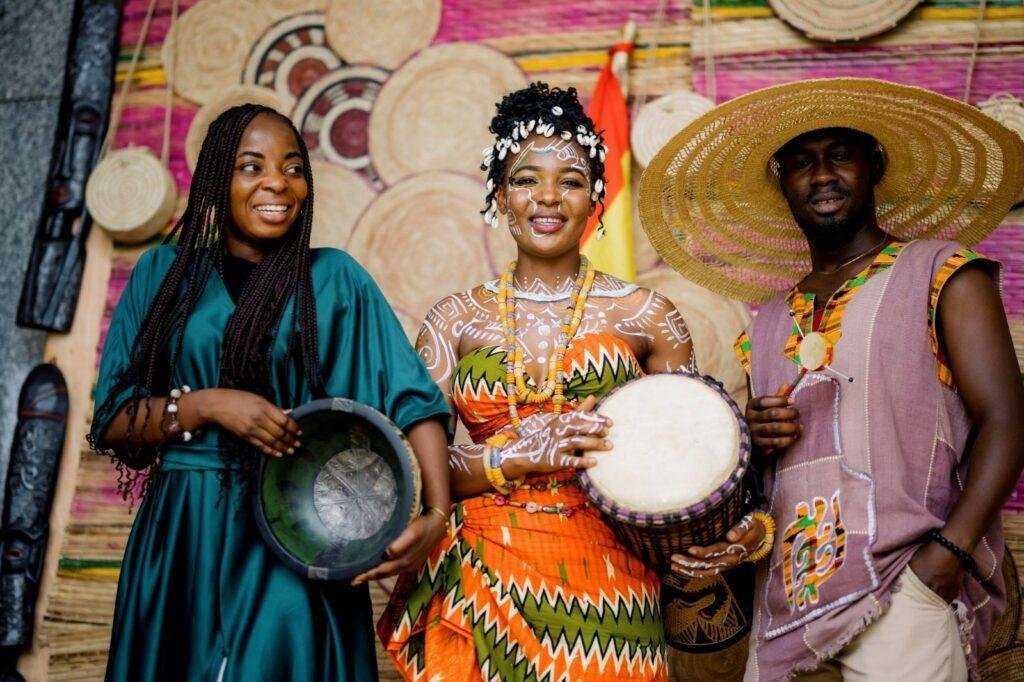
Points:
[[916, 639]]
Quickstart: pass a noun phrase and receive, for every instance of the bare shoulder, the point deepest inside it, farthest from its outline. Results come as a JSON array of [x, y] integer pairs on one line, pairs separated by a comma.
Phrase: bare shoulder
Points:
[[460, 305]]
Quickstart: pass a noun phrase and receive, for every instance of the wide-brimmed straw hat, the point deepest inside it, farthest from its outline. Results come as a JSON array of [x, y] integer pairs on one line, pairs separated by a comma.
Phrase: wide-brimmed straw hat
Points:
[[711, 204]]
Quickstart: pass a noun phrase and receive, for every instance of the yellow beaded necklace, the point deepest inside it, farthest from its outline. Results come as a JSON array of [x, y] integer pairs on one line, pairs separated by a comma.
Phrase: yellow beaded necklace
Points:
[[515, 368]]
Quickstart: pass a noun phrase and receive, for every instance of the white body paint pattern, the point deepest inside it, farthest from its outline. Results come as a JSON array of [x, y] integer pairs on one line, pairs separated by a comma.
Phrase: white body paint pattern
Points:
[[463, 322]]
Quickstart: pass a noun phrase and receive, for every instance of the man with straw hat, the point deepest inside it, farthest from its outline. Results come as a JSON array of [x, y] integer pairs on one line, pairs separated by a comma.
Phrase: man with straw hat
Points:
[[887, 407]]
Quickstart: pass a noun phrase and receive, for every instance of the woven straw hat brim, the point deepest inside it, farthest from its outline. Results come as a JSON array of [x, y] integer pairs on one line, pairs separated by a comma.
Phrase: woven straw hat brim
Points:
[[660, 119], [210, 44], [713, 209], [413, 228], [433, 112], [340, 198], [131, 194], [229, 97], [834, 20], [382, 33]]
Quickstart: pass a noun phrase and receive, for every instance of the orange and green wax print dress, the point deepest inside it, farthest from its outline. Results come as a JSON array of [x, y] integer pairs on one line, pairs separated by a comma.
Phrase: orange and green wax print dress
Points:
[[532, 585]]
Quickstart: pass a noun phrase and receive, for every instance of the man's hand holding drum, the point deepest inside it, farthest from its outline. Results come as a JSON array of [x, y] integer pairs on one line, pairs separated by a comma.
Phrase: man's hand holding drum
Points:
[[741, 543], [774, 422]]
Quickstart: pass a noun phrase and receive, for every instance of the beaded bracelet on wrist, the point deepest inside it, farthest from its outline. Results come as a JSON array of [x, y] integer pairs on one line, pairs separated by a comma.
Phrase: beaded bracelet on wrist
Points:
[[492, 469], [935, 535], [174, 427], [765, 548]]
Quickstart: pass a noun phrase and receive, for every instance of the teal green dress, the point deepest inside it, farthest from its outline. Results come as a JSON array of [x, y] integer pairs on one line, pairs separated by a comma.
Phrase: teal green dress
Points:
[[200, 595]]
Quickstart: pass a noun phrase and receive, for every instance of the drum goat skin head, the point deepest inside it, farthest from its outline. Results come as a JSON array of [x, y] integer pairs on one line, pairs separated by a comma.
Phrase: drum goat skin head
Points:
[[675, 440]]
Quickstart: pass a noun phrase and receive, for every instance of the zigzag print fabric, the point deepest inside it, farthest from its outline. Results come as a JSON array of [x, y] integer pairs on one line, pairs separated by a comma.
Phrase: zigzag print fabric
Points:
[[516, 594]]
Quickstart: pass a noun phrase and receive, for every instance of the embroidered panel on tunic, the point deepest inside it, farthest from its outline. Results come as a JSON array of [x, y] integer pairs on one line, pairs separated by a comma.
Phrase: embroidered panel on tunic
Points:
[[802, 306]]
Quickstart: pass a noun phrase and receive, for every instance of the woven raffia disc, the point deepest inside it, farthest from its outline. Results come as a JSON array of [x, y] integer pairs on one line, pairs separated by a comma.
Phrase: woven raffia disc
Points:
[[1004, 665], [290, 56], [279, 9], [230, 97], [1004, 630], [711, 205], [381, 32], [423, 239], [714, 322], [340, 197], [660, 119], [1009, 111], [834, 20], [211, 42], [131, 195], [433, 113], [333, 116]]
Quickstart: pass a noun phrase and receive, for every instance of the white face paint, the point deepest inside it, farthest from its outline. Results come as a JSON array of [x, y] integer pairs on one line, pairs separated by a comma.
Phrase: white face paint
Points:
[[570, 158]]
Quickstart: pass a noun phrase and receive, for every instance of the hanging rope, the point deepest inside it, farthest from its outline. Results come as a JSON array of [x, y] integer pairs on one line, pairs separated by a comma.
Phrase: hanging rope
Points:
[[974, 52], [169, 101], [710, 86], [641, 92], [115, 116]]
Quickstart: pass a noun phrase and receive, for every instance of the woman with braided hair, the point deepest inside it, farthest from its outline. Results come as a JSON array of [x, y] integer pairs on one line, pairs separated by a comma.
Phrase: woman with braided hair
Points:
[[216, 337], [532, 584]]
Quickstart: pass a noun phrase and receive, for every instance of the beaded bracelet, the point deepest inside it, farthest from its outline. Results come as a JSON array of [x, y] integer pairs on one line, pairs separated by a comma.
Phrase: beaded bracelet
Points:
[[492, 469], [174, 427], [765, 548], [960, 553]]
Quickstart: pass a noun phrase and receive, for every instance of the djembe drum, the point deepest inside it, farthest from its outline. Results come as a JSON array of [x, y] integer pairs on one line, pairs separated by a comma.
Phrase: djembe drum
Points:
[[330, 510], [672, 480]]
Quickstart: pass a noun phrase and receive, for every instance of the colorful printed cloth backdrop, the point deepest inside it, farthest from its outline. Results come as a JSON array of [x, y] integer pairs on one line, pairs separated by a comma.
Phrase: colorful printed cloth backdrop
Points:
[[737, 46]]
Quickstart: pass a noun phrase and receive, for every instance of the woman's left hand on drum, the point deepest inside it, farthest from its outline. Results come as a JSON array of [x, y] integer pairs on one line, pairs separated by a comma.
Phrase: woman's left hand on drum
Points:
[[701, 562], [553, 447], [409, 550]]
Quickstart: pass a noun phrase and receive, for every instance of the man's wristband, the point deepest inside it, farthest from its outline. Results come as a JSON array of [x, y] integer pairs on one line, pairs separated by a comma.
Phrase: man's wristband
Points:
[[934, 535]]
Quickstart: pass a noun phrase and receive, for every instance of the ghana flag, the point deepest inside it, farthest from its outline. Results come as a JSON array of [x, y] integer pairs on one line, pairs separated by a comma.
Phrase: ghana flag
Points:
[[614, 253]]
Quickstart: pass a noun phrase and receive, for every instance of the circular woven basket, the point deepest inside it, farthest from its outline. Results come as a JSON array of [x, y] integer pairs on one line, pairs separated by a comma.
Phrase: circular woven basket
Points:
[[290, 56], [340, 197], [714, 322], [383, 33], [131, 195], [423, 239], [433, 113], [230, 97], [1004, 665], [835, 20], [333, 116], [285, 8], [1008, 110], [1004, 630], [210, 44], [660, 119]]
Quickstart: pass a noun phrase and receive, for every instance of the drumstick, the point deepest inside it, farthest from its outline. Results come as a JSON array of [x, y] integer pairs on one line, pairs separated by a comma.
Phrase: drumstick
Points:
[[786, 392]]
